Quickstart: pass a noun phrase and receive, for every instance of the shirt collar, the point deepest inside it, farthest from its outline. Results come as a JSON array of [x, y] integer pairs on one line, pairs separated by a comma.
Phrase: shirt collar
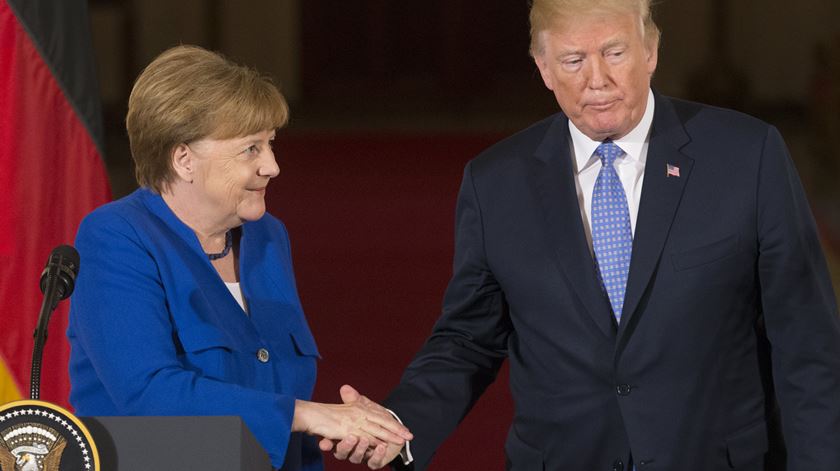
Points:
[[632, 144]]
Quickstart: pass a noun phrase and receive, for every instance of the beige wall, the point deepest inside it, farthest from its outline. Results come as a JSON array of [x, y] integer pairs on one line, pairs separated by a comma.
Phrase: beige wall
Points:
[[159, 24], [684, 43], [266, 34], [107, 24], [260, 33], [772, 34], [766, 38]]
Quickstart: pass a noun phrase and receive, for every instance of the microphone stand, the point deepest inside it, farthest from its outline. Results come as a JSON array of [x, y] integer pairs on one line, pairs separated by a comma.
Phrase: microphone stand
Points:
[[51, 299]]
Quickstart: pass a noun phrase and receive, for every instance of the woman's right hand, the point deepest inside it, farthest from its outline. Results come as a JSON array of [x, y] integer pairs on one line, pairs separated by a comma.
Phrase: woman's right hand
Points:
[[362, 418]]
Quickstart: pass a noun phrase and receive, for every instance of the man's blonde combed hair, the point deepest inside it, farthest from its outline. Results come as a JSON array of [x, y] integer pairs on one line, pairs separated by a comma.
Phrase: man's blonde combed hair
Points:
[[546, 14], [189, 93]]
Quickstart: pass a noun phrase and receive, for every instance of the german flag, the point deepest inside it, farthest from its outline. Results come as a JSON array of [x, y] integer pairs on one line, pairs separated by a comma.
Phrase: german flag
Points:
[[51, 174]]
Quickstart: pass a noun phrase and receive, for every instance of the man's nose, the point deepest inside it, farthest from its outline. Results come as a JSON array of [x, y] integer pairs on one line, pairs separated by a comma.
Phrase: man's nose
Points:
[[598, 76]]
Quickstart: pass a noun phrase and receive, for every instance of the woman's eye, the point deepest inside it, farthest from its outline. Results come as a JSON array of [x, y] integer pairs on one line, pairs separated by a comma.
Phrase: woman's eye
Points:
[[252, 150]]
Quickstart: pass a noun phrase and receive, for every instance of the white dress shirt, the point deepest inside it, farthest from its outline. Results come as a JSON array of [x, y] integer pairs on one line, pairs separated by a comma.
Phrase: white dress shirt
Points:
[[236, 290], [630, 167]]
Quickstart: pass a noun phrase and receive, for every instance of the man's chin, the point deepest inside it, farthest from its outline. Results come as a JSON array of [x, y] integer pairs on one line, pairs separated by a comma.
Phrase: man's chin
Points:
[[606, 127], [602, 133]]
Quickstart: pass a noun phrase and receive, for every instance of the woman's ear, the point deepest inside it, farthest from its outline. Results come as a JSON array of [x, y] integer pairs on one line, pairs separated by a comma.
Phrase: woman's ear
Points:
[[182, 162]]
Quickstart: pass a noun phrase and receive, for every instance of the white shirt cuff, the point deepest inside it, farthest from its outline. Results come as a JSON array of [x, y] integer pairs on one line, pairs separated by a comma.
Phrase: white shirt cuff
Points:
[[405, 453]]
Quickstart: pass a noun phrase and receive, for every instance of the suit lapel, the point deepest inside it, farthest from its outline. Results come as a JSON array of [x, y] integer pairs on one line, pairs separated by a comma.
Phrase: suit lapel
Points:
[[553, 175], [661, 195], [219, 306]]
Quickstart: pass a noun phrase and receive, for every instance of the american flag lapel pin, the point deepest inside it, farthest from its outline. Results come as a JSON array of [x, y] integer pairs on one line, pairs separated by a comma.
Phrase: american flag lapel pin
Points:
[[672, 171]]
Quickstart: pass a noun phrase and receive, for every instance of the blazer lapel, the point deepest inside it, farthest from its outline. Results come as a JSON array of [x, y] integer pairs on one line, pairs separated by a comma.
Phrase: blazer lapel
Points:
[[223, 310], [553, 174], [661, 194]]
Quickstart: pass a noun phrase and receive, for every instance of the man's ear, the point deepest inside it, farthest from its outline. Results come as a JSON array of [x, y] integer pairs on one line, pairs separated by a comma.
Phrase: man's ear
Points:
[[545, 73], [652, 58], [541, 60], [183, 162]]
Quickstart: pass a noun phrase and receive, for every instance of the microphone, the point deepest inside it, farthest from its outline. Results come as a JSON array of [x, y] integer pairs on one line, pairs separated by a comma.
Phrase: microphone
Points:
[[57, 282], [62, 266]]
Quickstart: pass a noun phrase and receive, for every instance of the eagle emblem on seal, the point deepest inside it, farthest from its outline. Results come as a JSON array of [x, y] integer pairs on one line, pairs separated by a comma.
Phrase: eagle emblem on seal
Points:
[[30, 446]]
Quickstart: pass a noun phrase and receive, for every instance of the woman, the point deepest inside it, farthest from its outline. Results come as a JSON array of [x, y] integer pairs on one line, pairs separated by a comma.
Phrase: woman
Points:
[[187, 304]]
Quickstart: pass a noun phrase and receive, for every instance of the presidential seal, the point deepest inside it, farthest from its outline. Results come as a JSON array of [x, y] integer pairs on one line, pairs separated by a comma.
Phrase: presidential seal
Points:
[[39, 436]]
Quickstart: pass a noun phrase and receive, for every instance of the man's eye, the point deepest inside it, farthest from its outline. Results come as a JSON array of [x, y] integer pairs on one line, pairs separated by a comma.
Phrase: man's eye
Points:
[[572, 64], [618, 53]]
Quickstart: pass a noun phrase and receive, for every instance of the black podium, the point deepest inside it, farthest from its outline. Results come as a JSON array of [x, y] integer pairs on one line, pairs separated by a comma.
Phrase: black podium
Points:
[[176, 443]]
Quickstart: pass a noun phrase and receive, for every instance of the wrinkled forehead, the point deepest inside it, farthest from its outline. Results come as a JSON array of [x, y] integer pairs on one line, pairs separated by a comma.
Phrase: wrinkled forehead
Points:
[[626, 19], [591, 25]]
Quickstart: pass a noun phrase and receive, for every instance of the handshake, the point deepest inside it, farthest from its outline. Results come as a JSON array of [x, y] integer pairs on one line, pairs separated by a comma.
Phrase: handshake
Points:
[[359, 430]]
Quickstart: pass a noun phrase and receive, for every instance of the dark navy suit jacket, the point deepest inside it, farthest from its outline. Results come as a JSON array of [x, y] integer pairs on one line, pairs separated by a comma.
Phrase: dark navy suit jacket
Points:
[[729, 310], [154, 331]]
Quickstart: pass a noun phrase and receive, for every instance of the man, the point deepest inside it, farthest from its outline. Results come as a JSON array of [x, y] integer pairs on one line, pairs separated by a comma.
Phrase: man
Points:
[[648, 266]]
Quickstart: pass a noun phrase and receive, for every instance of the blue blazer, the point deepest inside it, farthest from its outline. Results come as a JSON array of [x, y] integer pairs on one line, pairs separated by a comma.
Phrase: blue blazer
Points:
[[729, 334], [154, 331]]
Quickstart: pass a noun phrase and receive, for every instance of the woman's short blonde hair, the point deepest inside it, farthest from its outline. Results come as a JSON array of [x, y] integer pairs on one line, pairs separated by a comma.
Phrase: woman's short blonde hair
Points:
[[546, 14], [189, 93]]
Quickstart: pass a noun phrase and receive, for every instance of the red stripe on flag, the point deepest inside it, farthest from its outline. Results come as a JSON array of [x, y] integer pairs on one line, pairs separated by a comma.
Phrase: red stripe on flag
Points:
[[52, 175]]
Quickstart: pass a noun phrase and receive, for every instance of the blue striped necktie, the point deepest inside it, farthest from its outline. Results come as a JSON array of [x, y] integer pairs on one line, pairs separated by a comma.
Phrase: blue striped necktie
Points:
[[612, 238]]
